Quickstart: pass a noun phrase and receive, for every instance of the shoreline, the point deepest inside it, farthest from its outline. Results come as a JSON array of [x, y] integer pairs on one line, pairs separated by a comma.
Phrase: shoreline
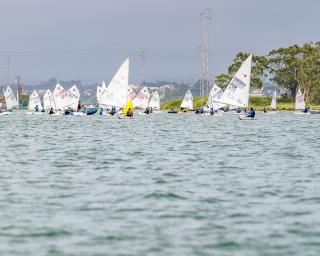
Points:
[[257, 102]]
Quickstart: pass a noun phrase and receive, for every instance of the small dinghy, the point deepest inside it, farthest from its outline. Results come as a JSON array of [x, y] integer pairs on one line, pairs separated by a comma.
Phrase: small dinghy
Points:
[[244, 117], [172, 111], [315, 112], [89, 111]]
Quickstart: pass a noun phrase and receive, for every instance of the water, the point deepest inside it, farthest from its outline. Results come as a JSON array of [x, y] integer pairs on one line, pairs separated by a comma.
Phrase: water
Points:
[[160, 185]]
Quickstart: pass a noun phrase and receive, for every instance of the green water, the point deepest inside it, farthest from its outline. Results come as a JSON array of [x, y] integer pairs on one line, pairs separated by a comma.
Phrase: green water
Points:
[[160, 185]]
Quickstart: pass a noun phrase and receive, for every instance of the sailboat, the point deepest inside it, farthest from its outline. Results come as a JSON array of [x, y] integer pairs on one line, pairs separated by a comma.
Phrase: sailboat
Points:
[[124, 112], [100, 92], [300, 103], [187, 102], [214, 96], [60, 96], [237, 91], [141, 101], [73, 98], [48, 101], [131, 94], [154, 103], [115, 95], [35, 105], [274, 101], [11, 101]]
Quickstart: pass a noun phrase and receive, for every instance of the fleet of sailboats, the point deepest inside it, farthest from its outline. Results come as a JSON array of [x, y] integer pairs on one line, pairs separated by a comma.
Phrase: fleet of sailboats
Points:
[[118, 95]]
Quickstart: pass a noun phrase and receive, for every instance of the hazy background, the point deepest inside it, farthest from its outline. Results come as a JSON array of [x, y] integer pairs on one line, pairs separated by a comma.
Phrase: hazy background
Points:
[[88, 39]]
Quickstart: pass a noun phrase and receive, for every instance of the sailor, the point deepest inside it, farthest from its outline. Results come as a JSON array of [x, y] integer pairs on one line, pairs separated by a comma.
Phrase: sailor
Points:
[[305, 109], [129, 113], [211, 111], [51, 111], [36, 108], [147, 111], [201, 111], [101, 111], [264, 110], [238, 110], [113, 111], [251, 113]]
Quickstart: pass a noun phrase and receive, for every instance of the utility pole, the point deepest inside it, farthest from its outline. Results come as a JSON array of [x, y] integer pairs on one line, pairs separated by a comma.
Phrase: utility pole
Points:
[[206, 15], [142, 56]]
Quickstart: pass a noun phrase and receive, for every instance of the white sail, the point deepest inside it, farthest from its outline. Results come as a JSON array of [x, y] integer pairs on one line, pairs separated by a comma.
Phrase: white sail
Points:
[[48, 100], [34, 100], [300, 104], [155, 101], [274, 100], [142, 99], [237, 92], [60, 97], [117, 91], [100, 91], [11, 100], [73, 98], [131, 94], [215, 96], [187, 101]]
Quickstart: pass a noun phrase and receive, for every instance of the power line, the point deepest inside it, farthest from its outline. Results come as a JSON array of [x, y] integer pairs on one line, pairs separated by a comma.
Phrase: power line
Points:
[[206, 15], [143, 57]]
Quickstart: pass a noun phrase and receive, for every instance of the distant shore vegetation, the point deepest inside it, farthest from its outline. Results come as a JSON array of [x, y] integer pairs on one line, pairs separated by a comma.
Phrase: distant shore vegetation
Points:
[[289, 68], [257, 102]]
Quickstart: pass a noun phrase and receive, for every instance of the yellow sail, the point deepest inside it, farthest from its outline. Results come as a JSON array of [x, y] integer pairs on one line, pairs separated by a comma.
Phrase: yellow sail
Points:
[[128, 106]]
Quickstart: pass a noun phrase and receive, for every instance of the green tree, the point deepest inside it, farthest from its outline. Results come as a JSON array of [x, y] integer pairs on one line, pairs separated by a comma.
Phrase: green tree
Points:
[[297, 66]]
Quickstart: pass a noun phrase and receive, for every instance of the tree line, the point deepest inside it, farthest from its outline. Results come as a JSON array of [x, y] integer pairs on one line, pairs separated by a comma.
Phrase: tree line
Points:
[[289, 68]]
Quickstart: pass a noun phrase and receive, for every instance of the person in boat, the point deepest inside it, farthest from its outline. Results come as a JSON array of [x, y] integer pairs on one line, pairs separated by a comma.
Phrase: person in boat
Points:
[[68, 111], [251, 113], [306, 109], [51, 111], [211, 111], [238, 110], [129, 113], [101, 111], [36, 108], [79, 106], [147, 111], [264, 110], [113, 111]]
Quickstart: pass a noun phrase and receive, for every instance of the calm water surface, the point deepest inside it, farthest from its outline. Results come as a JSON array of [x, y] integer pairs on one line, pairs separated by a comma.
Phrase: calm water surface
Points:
[[160, 185]]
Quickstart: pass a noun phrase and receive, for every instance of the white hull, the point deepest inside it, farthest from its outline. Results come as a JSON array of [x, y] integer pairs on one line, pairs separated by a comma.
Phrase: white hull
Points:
[[35, 113], [244, 117], [79, 114], [5, 113], [301, 113]]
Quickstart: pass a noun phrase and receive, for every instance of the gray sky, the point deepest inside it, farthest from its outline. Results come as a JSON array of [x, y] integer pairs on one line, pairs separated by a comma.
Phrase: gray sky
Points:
[[88, 39]]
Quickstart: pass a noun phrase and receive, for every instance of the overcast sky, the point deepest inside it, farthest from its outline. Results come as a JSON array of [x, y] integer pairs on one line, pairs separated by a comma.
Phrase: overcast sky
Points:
[[89, 39]]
